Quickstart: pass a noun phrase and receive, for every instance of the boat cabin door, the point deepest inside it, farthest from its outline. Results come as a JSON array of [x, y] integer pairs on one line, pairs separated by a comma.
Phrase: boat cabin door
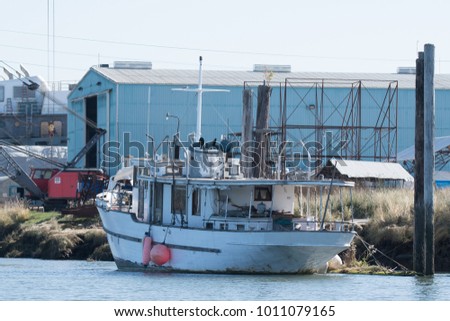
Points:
[[194, 201]]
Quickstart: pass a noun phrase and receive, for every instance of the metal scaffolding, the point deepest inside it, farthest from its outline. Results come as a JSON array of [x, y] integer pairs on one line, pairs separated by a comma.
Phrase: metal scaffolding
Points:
[[324, 118], [359, 122]]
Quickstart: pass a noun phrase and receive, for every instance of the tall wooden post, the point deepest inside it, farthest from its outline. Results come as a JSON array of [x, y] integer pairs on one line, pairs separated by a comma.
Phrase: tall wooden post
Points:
[[424, 164], [419, 213], [247, 132], [262, 124], [428, 97]]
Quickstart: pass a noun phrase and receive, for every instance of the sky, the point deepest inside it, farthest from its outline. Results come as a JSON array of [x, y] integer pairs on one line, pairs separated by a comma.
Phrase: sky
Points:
[[60, 39]]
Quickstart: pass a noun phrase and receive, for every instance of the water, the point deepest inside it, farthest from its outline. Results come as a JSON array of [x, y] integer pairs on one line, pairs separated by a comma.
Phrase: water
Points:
[[31, 279]]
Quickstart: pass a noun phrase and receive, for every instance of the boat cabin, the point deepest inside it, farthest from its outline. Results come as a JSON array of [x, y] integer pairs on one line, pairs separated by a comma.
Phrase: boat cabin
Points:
[[233, 204]]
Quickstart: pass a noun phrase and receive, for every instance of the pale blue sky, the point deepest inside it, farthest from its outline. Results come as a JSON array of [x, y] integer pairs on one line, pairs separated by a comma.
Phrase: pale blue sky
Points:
[[324, 35]]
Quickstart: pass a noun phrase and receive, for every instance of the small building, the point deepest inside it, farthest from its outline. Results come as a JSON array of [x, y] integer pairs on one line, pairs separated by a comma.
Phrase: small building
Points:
[[368, 174]]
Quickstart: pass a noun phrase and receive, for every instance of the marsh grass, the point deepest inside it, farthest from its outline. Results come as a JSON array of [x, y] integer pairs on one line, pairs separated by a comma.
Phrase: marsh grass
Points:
[[392, 218], [12, 214], [49, 235], [40, 217], [390, 226], [387, 220]]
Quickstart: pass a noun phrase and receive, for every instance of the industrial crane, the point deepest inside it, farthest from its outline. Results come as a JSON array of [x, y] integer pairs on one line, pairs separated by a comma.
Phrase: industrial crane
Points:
[[60, 185]]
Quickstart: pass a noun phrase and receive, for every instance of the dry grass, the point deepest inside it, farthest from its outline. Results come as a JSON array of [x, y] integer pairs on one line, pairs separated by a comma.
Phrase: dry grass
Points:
[[49, 235], [12, 214], [46, 240], [392, 218], [391, 225]]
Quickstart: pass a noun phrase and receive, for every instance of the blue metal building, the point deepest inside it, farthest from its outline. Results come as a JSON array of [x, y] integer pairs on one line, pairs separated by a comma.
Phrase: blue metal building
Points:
[[131, 100]]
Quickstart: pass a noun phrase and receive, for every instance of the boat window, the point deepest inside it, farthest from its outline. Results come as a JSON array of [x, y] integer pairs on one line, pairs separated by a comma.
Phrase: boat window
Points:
[[263, 193], [196, 202], [179, 200], [2, 93]]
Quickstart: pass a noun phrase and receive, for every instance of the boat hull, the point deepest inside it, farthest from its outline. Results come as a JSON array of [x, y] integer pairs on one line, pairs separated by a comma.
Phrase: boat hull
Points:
[[220, 251]]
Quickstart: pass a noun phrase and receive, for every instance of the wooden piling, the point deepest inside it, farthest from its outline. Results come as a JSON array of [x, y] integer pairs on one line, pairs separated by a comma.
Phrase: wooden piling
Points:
[[247, 132], [429, 125], [424, 164], [419, 213], [262, 124]]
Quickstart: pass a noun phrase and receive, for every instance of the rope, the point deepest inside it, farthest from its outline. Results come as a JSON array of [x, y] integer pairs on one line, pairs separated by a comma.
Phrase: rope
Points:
[[372, 250]]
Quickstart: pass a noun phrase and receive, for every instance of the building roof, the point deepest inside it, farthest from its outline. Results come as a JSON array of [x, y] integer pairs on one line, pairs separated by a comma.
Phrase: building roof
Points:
[[237, 78], [409, 153], [366, 169]]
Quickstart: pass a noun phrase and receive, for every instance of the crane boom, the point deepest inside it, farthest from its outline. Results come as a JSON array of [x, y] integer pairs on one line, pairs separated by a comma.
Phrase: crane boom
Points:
[[99, 132], [10, 167]]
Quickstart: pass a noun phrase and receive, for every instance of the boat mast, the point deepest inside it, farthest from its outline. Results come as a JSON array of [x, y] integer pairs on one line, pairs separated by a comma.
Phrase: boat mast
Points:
[[199, 90], [198, 131]]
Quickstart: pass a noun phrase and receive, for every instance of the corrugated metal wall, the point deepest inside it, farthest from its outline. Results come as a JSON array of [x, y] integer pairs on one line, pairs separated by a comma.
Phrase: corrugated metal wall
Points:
[[142, 110]]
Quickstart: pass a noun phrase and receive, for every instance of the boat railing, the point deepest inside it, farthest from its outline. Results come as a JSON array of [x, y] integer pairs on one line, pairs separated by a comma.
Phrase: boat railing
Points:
[[311, 224], [115, 200], [237, 224]]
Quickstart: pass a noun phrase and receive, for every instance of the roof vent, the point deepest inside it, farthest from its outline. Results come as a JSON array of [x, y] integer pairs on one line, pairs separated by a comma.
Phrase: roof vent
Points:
[[104, 65], [132, 64], [406, 70], [273, 68]]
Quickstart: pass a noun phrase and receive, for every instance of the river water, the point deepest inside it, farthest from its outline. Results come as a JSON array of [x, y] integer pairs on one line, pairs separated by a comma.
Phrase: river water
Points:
[[32, 279]]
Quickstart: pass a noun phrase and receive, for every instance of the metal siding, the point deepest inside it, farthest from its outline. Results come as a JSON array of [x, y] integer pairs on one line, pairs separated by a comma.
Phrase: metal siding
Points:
[[101, 111], [406, 118], [442, 109], [220, 109], [76, 131], [133, 117], [91, 84]]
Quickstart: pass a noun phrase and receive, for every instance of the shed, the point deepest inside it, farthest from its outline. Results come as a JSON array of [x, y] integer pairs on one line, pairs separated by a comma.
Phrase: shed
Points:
[[368, 174]]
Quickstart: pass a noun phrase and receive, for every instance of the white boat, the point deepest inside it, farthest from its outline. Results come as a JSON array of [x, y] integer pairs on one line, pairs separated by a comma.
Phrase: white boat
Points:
[[201, 215]]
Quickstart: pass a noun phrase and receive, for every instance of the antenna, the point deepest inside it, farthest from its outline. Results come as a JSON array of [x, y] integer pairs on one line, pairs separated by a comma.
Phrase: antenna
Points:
[[199, 90]]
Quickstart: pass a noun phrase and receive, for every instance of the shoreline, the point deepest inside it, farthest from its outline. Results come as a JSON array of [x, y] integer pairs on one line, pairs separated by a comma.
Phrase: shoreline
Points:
[[383, 218], [53, 236]]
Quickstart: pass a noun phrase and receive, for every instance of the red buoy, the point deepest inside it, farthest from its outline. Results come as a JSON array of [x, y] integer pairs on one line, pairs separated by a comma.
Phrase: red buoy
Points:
[[160, 254], [146, 247]]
